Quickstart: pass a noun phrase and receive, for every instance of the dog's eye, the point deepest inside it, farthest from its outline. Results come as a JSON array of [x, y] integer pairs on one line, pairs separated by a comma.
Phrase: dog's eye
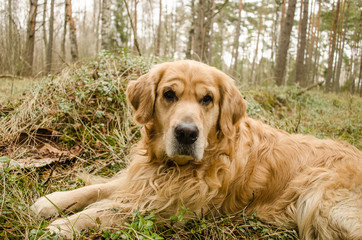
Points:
[[170, 95], [206, 100]]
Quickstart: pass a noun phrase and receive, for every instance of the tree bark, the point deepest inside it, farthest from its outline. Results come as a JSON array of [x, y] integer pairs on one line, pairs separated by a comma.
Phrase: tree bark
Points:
[[360, 77], [316, 51], [282, 15], [260, 25], [135, 31], [45, 39], [284, 41], [30, 37], [310, 48], [200, 31], [332, 50], [106, 25], [211, 40], [190, 43], [340, 54], [64, 29], [72, 33], [274, 38], [51, 35], [100, 7], [299, 66], [236, 40], [158, 42], [10, 37]]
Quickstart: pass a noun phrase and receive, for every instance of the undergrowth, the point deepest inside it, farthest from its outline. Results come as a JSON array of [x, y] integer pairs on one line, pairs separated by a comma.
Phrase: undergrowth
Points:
[[83, 110]]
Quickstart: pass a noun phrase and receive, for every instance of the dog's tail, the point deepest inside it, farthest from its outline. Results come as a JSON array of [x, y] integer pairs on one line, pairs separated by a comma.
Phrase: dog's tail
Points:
[[307, 210]]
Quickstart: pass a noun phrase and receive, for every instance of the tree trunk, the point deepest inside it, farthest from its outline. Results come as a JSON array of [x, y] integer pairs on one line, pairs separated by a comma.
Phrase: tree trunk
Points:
[[44, 24], [158, 42], [282, 17], [10, 36], [310, 48], [332, 50], [360, 77], [64, 30], [260, 25], [190, 42], [300, 22], [100, 7], [340, 54], [199, 34], [135, 26], [316, 51], [299, 66], [72, 35], [274, 38], [236, 40], [106, 25], [284, 41], [211, 40], [51, 35], [30, 37]]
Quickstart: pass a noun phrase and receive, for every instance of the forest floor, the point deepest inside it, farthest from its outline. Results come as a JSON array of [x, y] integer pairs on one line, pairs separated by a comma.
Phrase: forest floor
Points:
[[13, 88], [79, 121]]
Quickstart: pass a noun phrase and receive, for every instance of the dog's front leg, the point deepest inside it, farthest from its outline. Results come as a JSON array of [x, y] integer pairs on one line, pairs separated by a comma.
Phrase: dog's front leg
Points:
[[103, 214], [68, 201]]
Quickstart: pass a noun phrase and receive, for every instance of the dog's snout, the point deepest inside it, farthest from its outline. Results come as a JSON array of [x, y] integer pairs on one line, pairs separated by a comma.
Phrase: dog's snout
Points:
[[186, 133]]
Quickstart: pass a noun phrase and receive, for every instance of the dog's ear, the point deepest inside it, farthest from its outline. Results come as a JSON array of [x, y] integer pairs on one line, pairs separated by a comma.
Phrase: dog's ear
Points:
[[232, 105], [141, 94]]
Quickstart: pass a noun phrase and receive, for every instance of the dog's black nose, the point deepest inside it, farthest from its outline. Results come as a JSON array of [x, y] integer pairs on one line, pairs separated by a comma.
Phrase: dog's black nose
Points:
[[186, 133]]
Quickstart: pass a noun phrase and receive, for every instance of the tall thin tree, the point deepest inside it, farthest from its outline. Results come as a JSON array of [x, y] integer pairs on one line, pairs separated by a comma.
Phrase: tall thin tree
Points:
[[299, 65], [106, 24], [64, 30], [260, 25], [159, 28], [30, 37], [332, 49], [341, 49], [191, 37], [284, 40], [45, 39], [49, 54], [237, 39], [72, 33]]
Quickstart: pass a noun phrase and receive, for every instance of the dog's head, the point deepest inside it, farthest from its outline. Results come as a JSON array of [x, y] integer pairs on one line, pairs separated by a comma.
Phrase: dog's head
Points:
[[187, 103]]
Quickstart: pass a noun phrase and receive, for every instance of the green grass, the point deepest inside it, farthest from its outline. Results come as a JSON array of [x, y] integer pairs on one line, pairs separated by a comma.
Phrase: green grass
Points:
[[83, 110]]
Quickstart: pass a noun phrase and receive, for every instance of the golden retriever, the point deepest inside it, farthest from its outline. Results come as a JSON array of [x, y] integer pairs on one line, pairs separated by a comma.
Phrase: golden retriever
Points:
[[200, 150]]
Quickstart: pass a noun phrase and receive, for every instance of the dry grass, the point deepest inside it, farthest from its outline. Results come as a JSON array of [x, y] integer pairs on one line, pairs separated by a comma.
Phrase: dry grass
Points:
[[83, 110], [12, 88]]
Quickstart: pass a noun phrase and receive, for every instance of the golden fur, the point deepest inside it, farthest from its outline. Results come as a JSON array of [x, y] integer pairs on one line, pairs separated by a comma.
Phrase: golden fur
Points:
[[236, 164]]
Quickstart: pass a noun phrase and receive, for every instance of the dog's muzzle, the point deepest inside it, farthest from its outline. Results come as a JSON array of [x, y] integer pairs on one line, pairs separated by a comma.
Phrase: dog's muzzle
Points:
[[184, 143]]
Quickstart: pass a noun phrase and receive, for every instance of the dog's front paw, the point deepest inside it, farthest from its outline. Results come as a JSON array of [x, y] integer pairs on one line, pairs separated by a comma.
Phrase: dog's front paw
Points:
[[62, 228], [48, 206]]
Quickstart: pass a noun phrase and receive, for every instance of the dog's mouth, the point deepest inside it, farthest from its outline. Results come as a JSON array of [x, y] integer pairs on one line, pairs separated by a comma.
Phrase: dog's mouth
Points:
[[184, 143], [183, 154], [182, 159]]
